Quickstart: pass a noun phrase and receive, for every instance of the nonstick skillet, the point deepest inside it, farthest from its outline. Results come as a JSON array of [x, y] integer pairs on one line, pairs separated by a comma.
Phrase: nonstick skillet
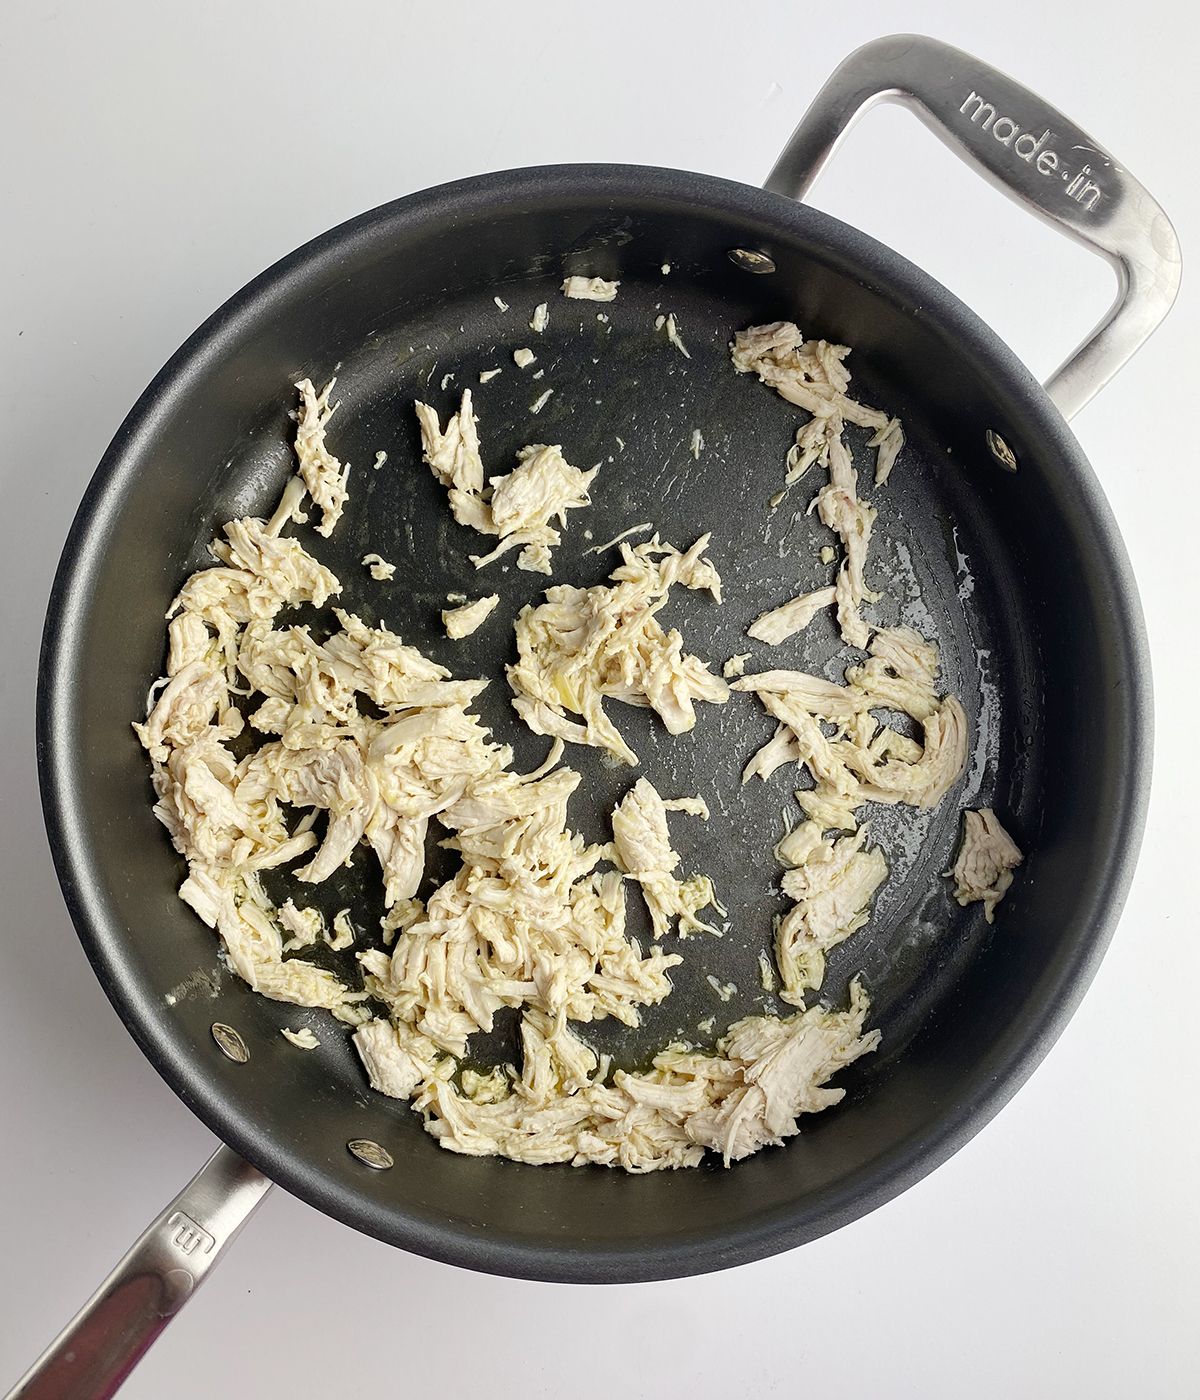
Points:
[[993, 536]]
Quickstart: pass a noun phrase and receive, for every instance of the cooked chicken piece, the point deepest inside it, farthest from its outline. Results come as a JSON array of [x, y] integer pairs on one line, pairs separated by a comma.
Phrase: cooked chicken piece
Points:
[[461, 622], [517, 507], [543, 486], [397, 1058], [784, 1066], [889, 441], [668, 324], [235, 905], [307, 926], [540, 318], [833, 881], [783, 622], [590, 289], [905, 653], [583, 644], [781, 748], [453, 457], [811, 374], [643, 849], [986, 861], [808, 373], [189, 641], [833, 887], [523, 358], [320, 471], [263, 573], [819, 697], [767, 1072], [334, 778], [535, 559], [876, 764], [185, 709], [303, 1038], [381, 570], [812, 445], [736, 665], [343, 931], [541, 401]]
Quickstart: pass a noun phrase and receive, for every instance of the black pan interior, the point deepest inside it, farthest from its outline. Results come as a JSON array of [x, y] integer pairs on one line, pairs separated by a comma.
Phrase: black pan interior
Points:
[[1020, 577]]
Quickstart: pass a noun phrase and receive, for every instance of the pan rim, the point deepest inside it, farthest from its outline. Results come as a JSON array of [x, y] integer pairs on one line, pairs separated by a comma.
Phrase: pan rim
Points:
[[1013, 1060]]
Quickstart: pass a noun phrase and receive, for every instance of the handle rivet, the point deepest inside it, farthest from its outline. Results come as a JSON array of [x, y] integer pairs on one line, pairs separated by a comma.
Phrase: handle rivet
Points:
[[1001, 451], [231, 1042], [751, 262], [371, 1153]]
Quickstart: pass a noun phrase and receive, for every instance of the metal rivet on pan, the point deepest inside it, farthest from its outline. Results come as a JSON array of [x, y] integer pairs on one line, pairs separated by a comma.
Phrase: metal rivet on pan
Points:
[[751, 262], [371, 1153], [1001, 451], [230, 1042]]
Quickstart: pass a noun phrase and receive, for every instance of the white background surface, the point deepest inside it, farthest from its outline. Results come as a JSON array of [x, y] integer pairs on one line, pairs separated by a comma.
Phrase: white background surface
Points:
[[156, 158]]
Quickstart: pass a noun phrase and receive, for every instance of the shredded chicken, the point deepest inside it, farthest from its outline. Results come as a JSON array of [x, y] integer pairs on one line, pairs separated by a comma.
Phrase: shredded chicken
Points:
[[518, 507], [370, 733], [766, 1073], [583, 644], [523, 358], [303, 1038], [590, 289], [380, 569], [986, 861], [321, 472], [668, 324], [833, 880], [461, 622], [811, 375], [527, 921], [781, 623], [643, 852], [540, 318]]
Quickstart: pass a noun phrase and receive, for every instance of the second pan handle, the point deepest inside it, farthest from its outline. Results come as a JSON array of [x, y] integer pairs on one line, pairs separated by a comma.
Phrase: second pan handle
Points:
[[117, 1325], [1031, 152]]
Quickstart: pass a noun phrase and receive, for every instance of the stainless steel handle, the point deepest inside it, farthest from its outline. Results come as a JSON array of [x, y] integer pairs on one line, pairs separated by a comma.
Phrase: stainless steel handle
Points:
[[1031, 152], [95, 1353]]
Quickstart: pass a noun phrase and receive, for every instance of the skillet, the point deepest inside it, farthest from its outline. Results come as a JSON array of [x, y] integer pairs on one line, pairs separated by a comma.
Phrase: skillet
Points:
[[1019, 574]]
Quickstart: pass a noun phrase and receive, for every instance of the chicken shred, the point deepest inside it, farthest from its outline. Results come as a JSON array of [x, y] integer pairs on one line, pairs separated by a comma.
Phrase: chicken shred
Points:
[[669, 324], [581, 645], [811, 374], [834, 879], [381, 570], [986, 861], [644, 853], [322, 473], [517, 507], [461, 622], [590, 289]]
